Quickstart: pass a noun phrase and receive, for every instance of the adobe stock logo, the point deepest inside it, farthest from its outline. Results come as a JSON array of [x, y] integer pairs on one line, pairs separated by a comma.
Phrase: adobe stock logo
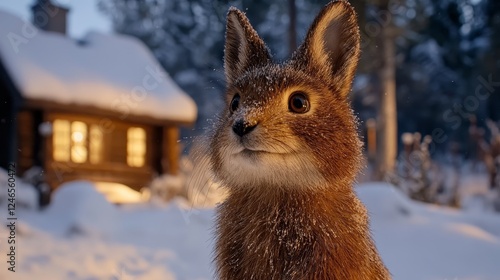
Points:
[[463, 111], [27, 31], [471, 103]]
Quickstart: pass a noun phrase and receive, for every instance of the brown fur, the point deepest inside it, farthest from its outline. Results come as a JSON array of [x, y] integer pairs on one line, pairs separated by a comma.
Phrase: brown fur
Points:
[[291, 211]]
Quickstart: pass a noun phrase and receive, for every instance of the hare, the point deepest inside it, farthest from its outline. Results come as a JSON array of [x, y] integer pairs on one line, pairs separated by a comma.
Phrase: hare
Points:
[[286, 149]]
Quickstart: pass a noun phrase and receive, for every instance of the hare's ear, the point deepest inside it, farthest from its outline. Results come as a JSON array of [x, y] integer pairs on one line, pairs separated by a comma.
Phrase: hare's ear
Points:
[[244, 48], [331, 47]]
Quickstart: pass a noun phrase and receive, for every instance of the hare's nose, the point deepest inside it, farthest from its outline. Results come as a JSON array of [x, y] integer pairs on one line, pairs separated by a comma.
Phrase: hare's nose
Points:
[[240, 127]]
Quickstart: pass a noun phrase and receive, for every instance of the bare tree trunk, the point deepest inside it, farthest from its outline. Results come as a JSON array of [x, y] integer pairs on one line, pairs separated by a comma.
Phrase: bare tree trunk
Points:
[[292, 28], [387, 113]]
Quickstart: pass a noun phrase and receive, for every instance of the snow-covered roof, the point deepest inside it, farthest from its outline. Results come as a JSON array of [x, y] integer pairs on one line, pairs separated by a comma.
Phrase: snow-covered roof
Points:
[[112, 72]]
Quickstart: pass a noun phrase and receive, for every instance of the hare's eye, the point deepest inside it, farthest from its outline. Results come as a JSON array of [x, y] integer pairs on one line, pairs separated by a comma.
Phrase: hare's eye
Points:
[[298, 103], [235, 102]]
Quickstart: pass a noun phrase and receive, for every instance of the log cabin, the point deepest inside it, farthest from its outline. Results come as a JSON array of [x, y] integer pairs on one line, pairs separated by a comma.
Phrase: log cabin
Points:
[[100, 108]]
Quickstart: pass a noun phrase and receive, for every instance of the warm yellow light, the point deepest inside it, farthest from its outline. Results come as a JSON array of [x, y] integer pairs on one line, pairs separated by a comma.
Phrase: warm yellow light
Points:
[[61, 140], [136, 146], [79, 137], [95, 144], [118, 193]]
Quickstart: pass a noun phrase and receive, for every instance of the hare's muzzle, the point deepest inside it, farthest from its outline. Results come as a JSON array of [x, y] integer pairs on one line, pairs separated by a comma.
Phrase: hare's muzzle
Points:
[[241, 127]]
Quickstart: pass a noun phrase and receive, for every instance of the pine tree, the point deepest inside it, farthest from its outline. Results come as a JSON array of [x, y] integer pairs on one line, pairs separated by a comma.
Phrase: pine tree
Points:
[[492, 58], [187, 36]]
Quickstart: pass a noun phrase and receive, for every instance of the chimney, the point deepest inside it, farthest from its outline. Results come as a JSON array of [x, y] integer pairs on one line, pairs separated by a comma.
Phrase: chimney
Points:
[[50, 17]]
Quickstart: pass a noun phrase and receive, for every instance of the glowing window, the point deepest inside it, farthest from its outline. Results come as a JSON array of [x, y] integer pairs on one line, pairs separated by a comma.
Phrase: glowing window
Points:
[[136, 146], [61, 140], [95, 144], [78, 142]]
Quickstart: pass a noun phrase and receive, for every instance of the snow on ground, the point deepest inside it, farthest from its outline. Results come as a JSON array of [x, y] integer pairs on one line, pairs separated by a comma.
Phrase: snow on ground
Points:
[[26, 195], [419, 241], [82, 236]]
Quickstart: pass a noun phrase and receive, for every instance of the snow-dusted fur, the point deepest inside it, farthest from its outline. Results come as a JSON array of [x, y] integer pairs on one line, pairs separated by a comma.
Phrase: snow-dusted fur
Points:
[[291, 212]]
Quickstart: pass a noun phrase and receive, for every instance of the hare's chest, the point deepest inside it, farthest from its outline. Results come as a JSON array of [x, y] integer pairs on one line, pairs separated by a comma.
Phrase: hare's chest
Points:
[[279, 247]]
